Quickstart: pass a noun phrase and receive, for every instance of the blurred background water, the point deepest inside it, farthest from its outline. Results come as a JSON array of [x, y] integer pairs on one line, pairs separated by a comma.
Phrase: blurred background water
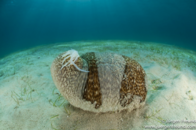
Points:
[[29, 23]]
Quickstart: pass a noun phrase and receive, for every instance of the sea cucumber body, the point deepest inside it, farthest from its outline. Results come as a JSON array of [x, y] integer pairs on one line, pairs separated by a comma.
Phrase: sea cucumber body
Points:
[[114, 82]]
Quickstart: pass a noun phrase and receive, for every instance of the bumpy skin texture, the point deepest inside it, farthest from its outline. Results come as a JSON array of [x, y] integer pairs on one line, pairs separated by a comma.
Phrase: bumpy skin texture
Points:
[[114, 82]]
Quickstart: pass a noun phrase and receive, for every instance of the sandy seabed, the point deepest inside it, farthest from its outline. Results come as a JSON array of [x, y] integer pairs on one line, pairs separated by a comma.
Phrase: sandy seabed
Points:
[[29, 99]]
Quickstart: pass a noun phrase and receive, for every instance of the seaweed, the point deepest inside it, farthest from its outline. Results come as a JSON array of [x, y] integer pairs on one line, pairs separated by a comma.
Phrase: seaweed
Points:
[[169, 100], [155, 85], [59, 101], [154, 117], [67, 111], [53, 127], [190, 96], [25, 92], [15, 97], [54, 116]]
